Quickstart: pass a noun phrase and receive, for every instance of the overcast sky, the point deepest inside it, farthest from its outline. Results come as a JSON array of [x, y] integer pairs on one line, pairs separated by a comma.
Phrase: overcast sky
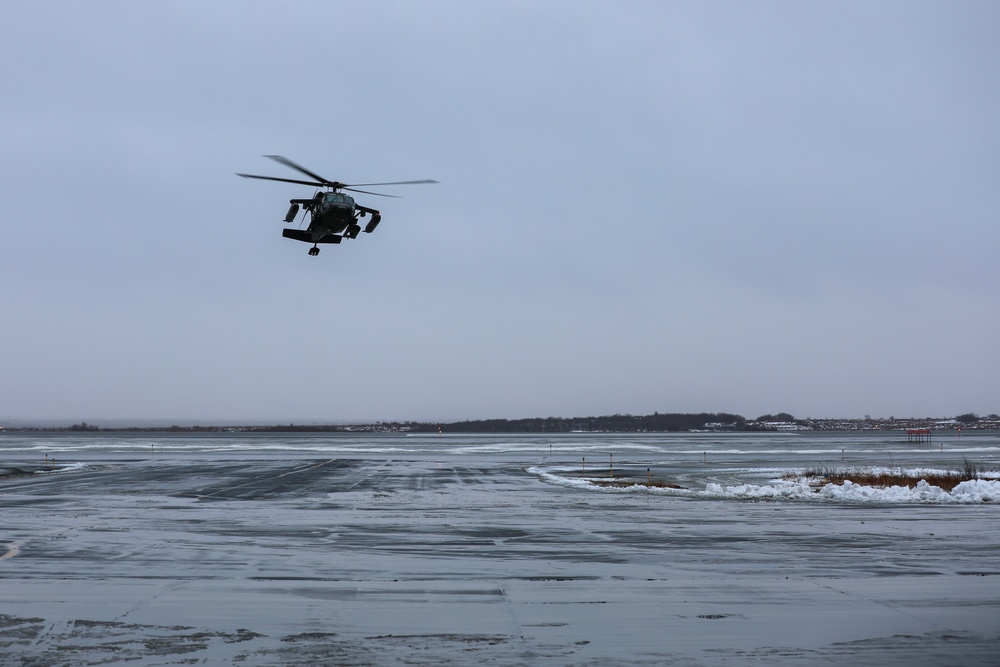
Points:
[[747, 207]]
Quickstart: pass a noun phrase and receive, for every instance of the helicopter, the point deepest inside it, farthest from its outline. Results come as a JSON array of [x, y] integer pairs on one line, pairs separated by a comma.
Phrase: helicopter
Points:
[[334, 215]]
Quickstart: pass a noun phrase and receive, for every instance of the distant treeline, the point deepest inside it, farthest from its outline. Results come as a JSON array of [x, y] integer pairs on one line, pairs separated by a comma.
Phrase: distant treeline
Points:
[[656, 422], [83, 426]]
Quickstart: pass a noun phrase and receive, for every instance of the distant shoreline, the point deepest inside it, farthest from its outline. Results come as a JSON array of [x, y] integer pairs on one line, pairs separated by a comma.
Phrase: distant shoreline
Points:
[[655, 423]]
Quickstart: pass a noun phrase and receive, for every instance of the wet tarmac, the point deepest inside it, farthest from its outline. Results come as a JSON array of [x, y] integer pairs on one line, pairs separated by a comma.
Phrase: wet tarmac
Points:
[[430, 560]]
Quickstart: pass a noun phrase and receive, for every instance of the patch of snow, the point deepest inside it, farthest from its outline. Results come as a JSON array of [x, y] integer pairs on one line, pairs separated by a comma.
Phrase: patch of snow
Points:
[[971, 492]]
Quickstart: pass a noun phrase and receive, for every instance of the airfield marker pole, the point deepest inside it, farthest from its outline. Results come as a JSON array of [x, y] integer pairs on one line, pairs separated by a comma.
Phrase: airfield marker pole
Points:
[[611, 464], [649, 479], [704, 457]]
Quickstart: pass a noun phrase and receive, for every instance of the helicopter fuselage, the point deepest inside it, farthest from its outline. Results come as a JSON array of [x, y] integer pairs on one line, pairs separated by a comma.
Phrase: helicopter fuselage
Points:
[[333, 217], [332, 213]]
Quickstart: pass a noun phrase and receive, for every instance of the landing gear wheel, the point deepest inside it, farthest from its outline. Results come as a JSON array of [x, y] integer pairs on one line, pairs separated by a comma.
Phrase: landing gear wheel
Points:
[[314, 251]]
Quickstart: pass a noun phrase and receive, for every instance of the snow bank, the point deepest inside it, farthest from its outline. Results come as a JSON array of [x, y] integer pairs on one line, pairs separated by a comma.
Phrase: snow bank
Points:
[[977, 491], [776, 489], [849, 491], [60, 468], [971, 492]]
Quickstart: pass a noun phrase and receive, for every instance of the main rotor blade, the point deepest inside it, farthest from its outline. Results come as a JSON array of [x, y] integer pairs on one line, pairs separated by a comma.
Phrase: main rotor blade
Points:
[[365, 192], [297, 167], [424, 181], [283, 180]]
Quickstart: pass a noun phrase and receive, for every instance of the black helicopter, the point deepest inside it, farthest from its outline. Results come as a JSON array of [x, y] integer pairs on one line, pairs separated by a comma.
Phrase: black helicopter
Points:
[[334, 215]]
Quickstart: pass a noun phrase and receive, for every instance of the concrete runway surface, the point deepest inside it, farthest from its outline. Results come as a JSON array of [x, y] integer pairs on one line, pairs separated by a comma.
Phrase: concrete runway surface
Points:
[[435, 560]]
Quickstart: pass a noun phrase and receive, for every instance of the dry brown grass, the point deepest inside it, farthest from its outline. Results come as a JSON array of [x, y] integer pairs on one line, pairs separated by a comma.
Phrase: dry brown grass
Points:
[[893, 476], [626, 477], [946, 481]]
